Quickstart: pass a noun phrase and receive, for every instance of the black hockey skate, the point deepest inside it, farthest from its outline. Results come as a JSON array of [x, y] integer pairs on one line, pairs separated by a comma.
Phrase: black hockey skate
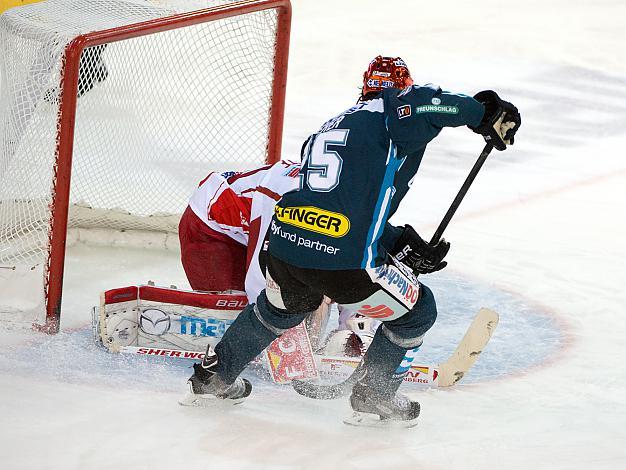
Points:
[[372, 409], [207, 389]]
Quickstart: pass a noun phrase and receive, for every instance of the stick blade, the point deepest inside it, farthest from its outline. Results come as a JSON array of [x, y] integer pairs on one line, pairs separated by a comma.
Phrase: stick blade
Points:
[[476, 338]]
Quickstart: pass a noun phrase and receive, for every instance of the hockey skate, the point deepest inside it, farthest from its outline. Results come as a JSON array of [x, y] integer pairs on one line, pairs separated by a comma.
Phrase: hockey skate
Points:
[[371, 409], [207, 389]]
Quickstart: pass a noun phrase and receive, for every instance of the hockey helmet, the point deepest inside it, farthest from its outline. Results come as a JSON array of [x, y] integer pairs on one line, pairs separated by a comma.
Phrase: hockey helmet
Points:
[[385, 72]]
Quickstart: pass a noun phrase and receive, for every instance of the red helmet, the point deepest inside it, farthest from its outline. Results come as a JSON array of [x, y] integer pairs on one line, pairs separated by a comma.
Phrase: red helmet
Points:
[[386, 72]]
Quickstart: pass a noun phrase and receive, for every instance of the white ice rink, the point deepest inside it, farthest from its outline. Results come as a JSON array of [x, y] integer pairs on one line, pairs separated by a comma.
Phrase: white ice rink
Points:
[[541, 238]]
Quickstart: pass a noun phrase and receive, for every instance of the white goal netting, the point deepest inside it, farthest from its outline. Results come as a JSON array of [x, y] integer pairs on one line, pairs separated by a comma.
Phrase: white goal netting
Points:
[[154, 115]]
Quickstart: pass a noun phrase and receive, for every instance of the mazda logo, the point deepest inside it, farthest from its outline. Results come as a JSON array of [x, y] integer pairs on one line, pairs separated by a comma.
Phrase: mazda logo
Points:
[[154, 322]]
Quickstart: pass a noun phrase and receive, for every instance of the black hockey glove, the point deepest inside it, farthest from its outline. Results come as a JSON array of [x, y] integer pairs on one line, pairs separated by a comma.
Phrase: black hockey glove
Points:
[[420, 256], [500, 122]]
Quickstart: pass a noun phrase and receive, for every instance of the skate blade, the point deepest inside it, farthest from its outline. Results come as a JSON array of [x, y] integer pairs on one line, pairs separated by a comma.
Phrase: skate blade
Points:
[[372, 420], [206, 401]]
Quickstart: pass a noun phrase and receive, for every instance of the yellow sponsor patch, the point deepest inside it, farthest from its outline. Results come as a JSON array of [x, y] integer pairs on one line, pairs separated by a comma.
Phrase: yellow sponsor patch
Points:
[[314, 219]]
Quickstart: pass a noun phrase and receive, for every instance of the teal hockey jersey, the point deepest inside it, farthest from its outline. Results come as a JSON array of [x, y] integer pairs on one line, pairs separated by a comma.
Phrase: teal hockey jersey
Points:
[[355, 171]]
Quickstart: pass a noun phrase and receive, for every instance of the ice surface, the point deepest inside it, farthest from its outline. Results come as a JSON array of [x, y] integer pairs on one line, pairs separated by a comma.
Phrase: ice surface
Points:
[[540, 238]]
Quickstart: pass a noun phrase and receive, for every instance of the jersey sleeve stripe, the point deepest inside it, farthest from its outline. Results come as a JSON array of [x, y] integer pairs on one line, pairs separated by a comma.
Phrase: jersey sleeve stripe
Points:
[[381, 211]]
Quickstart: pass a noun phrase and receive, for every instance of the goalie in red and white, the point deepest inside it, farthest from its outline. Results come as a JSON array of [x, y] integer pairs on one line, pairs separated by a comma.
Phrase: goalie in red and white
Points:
[[222, 234], [220, 230]]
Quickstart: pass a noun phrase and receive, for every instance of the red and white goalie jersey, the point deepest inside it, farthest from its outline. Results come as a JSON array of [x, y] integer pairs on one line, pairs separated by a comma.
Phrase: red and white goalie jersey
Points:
[[237, 207]]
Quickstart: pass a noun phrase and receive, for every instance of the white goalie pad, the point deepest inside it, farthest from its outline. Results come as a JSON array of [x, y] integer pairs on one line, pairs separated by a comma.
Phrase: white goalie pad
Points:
[[168, 322], [164, 321]]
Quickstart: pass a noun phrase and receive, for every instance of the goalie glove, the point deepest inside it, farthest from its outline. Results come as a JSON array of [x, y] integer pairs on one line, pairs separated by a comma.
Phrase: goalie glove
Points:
[[500, 121], [417, 254]]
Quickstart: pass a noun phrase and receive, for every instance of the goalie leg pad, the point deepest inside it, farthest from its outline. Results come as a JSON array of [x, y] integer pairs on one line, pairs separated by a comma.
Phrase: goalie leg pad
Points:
[[253, 330]]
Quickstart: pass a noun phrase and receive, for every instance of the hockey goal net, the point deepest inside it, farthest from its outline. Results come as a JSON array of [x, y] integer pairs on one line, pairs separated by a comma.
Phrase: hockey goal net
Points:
[[111, 111]]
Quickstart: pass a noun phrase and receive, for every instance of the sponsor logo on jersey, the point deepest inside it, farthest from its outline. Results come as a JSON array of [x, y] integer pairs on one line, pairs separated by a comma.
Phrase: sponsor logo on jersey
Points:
[[301, 241], [379, 311], [317, 220], [404, 269], [154, 322], [435, 101], [397, 283], [381, 305], [432, 108], [404, 111]]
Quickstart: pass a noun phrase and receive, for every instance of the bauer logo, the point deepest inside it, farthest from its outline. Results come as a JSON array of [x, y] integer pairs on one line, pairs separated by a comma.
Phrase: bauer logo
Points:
[[234, 304], [404, 111], [154, 322], [314, 219]]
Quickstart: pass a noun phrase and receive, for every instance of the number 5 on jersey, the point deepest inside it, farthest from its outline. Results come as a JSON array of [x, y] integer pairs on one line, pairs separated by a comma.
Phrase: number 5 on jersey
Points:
[[321, 167]]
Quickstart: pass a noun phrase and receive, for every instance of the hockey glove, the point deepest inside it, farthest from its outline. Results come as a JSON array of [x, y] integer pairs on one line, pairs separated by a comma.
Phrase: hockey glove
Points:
[[500, 121], [420, 256]]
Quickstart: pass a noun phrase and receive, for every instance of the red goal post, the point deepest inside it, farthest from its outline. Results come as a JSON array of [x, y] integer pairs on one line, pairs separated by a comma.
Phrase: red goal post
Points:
[[68, 102]]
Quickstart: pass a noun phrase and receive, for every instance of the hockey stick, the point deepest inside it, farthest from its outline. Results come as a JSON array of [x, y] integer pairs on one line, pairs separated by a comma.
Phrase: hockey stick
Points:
[[448, 373], [464, 356], [461, 194], [325, 392]]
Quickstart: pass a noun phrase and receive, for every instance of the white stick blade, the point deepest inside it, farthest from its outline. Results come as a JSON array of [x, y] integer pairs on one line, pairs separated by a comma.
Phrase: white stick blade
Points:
[[476, 338]]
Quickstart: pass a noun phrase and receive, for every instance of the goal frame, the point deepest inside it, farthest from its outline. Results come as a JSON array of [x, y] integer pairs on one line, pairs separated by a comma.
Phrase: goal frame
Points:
[[59, 206]]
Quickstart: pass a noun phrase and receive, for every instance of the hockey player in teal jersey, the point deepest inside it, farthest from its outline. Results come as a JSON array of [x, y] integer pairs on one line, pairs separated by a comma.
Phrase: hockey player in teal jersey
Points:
[[331, 237]]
